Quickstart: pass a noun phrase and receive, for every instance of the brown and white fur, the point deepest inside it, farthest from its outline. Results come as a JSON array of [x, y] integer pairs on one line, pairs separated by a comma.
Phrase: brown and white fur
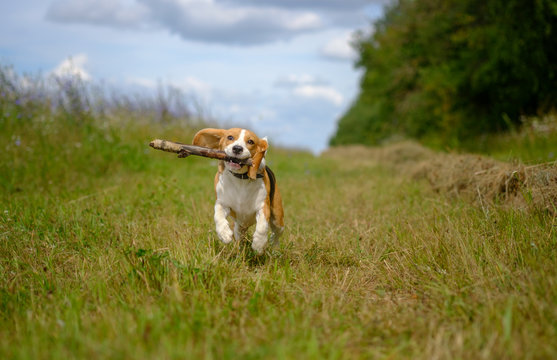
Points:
[[247, 194]]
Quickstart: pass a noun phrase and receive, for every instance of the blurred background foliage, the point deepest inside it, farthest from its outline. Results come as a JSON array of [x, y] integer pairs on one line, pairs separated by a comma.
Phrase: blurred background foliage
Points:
[[450, 72], [60, 133]]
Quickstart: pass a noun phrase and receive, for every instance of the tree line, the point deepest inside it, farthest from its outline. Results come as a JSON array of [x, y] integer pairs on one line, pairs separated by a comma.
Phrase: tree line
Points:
[[446, 71]]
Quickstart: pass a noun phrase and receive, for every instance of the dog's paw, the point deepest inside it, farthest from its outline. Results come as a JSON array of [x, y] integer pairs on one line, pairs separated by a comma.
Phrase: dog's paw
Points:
[[258, 245], [225, 234]]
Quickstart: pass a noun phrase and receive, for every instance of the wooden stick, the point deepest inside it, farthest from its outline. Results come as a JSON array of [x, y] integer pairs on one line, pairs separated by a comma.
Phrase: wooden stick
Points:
[[184, 150]]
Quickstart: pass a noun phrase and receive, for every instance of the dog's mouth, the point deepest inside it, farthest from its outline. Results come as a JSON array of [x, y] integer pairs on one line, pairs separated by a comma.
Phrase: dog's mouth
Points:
[[233, 165]]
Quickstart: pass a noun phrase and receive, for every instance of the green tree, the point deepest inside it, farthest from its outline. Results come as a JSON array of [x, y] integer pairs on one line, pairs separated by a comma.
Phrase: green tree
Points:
[[452, 69]]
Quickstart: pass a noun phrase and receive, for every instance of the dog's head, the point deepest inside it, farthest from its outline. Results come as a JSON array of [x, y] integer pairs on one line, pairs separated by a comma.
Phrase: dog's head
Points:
[[237, 143]]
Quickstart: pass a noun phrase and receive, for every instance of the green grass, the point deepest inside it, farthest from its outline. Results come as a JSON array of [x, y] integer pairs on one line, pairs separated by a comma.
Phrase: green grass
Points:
[[532, 144], [107, 250]]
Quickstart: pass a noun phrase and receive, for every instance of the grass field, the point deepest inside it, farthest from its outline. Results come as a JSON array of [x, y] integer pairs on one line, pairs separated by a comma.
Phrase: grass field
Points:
[[107, 250]]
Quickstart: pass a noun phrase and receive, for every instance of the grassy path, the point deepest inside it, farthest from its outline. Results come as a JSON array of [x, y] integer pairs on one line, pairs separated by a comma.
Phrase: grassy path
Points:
[[114, 256]]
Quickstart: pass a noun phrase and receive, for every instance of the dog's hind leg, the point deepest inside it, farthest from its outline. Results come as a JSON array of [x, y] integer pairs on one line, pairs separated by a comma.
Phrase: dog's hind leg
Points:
[[260, 237], [276, 231], [239, 231], [276, 218]]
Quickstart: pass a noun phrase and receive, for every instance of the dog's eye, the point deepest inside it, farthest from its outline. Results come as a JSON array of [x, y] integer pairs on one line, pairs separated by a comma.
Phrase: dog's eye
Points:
[[250, 141], [230, 137]]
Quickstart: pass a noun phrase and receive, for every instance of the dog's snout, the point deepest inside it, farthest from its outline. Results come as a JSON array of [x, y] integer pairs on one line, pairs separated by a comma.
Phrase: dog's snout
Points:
[[237, 149]]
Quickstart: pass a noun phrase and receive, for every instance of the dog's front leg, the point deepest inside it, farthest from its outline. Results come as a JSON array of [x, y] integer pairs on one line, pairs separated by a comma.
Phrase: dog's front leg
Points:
[[260, 234], [223, 228]]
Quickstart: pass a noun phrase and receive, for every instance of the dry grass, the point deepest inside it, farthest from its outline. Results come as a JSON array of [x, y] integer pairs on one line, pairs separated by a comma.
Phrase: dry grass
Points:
[[478, 178]]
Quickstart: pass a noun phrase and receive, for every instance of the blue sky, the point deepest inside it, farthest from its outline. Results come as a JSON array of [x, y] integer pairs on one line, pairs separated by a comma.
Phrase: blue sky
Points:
[[283, 68]]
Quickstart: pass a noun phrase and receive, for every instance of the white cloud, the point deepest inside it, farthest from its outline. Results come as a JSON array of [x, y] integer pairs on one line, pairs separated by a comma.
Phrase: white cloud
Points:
[[213, 21], [73, 66], [306, 21], [319, 92], [309, 87], [294, 80], [339, 48]]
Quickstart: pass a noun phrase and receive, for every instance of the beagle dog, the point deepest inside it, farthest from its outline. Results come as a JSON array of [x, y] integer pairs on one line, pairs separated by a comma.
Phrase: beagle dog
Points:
[[247, 194]]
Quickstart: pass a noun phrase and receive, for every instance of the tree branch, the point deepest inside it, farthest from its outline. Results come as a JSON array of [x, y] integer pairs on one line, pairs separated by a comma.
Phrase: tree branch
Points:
[[184, 150]]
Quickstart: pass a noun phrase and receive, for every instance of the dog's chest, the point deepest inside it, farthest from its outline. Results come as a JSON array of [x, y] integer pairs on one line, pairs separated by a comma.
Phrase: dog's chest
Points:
[[245, 197]]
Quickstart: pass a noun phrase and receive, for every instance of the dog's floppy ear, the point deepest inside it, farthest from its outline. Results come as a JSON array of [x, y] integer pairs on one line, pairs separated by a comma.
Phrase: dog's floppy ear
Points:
[[208, 138], [257, 158]]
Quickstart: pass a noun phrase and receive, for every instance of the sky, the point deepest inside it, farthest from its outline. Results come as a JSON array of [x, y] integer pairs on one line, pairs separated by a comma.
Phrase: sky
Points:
[[282, 68]]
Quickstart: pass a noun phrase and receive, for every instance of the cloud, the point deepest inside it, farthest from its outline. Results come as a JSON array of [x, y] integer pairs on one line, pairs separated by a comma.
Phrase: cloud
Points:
[[344, 13], [73, 66], [295, 80], [212, 21], [319, 92], [309, 87], [230, 22], [340, 48], [197, 20]]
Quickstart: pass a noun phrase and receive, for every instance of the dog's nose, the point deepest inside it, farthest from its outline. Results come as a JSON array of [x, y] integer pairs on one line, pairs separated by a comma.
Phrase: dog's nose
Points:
[[237, 149]]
